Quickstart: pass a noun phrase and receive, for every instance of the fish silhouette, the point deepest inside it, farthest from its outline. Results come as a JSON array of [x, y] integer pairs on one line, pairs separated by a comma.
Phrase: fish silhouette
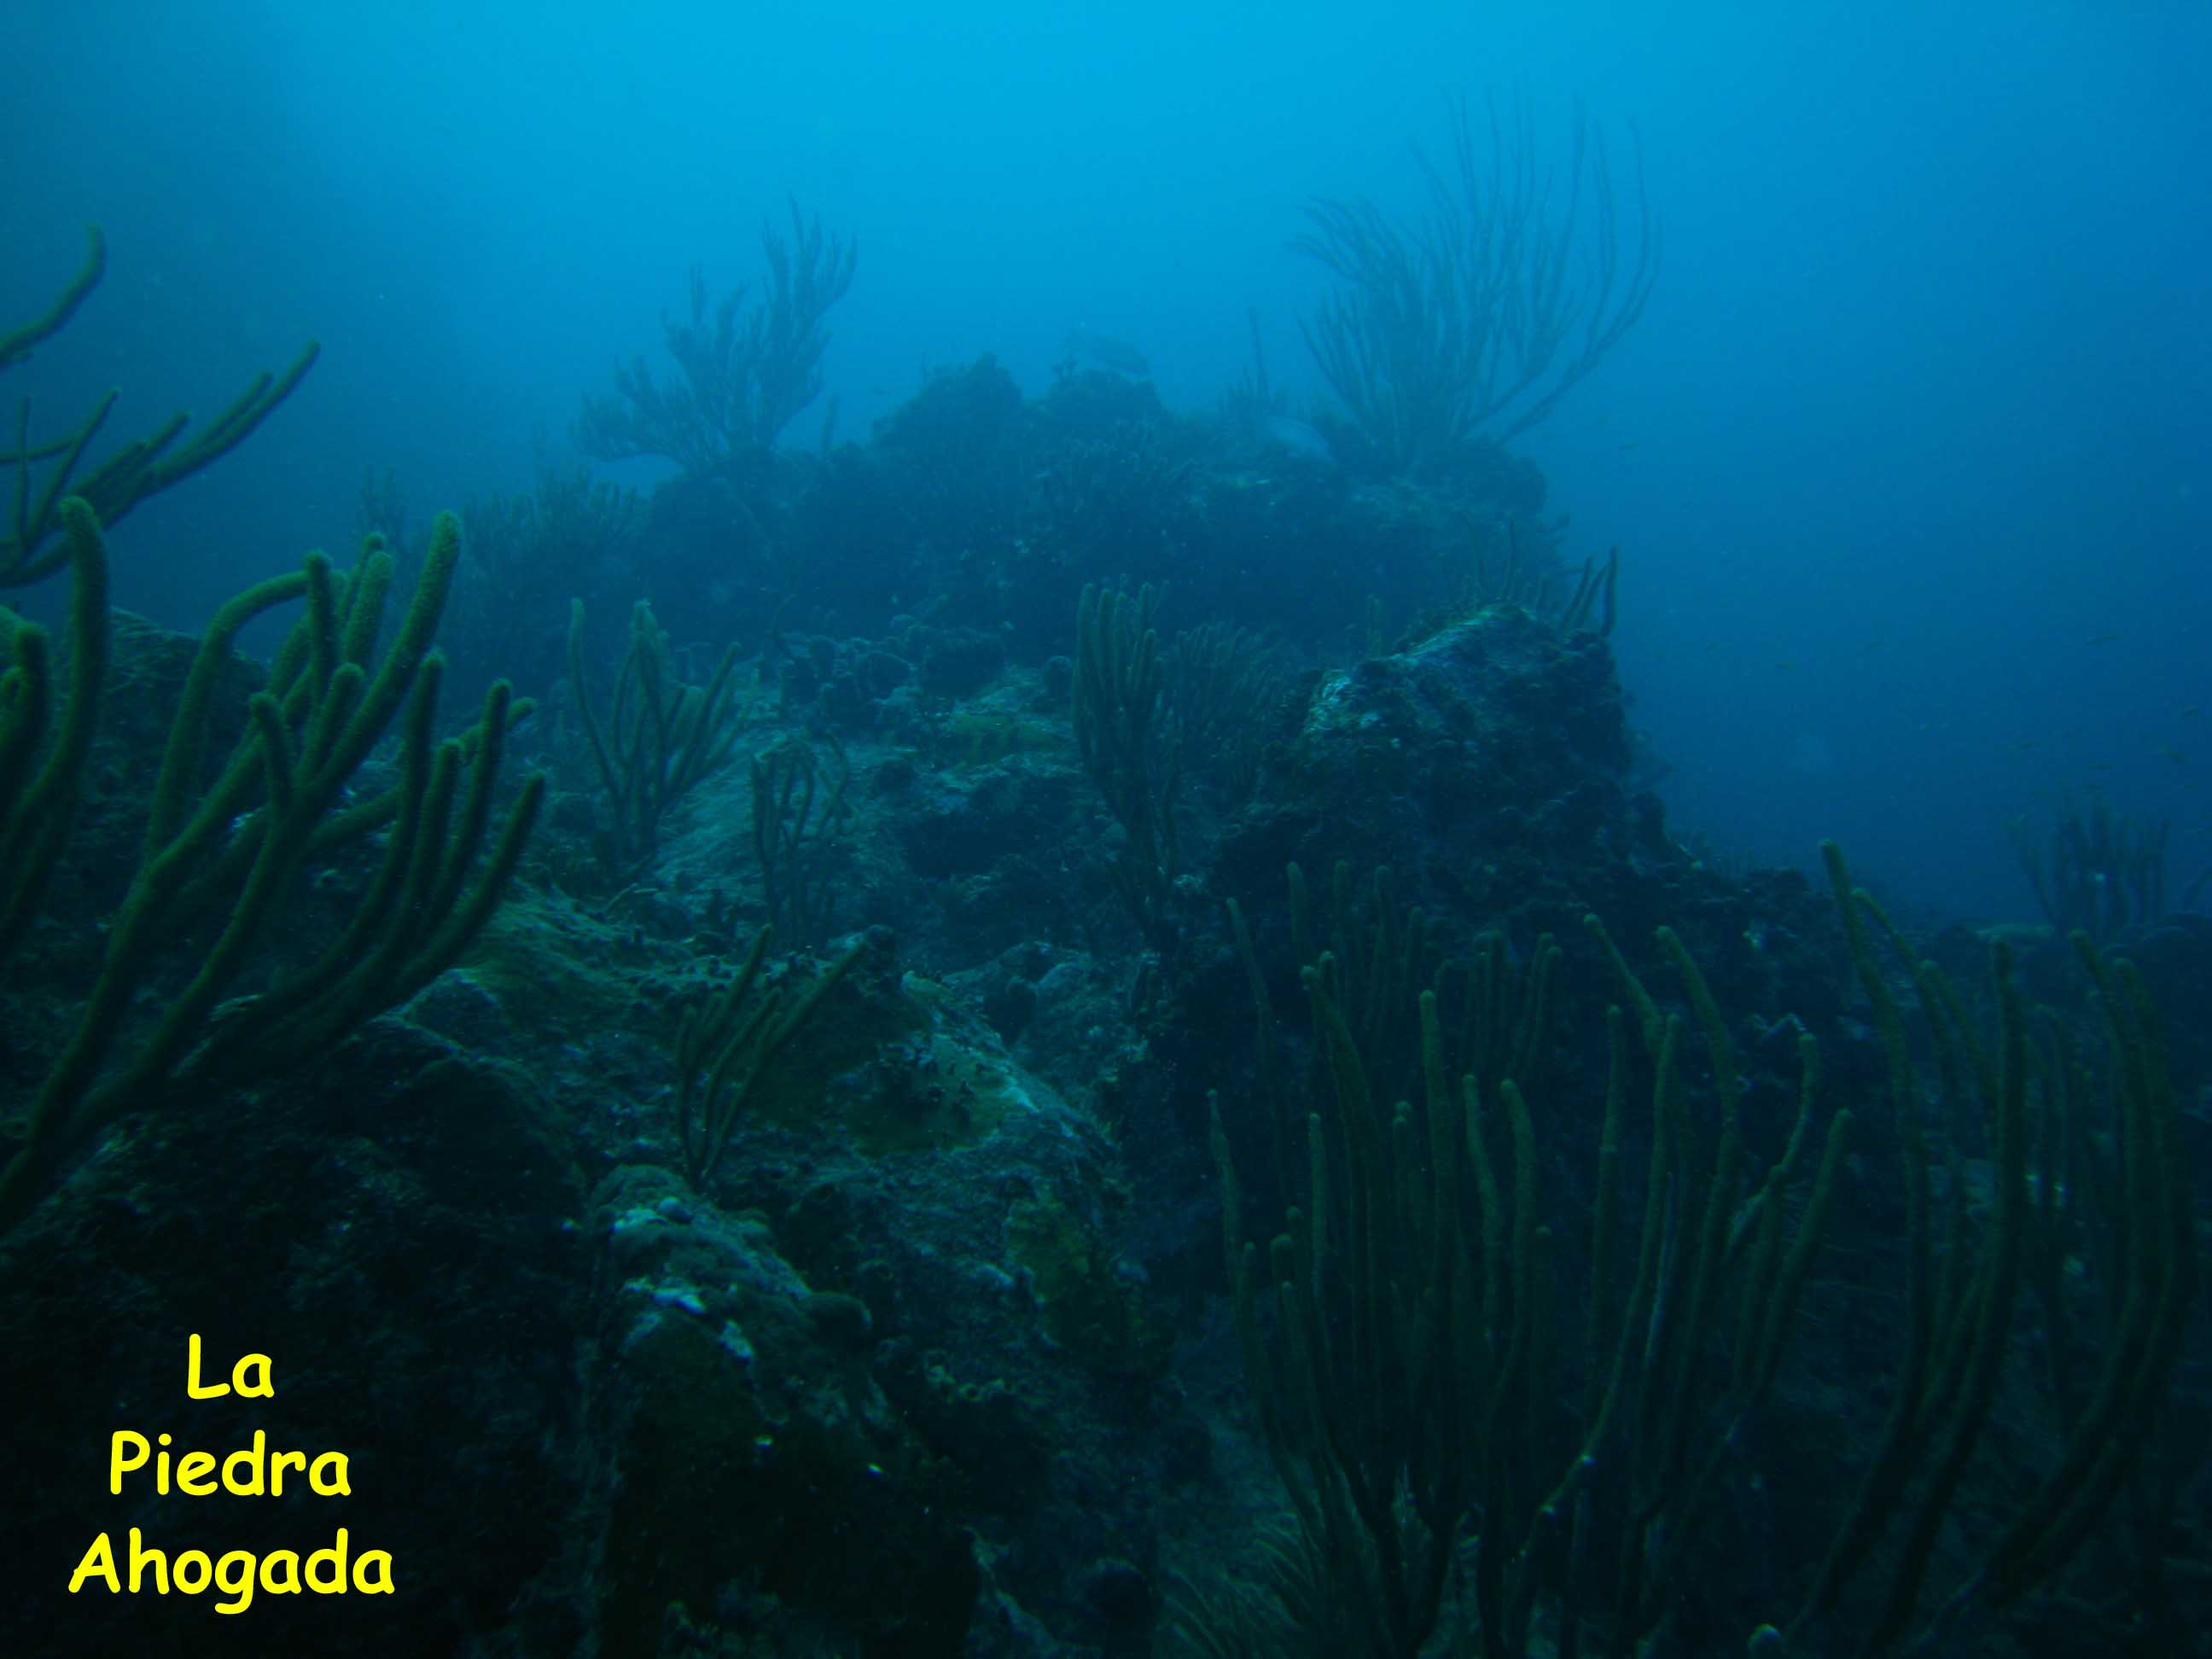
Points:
[[1107, 352]]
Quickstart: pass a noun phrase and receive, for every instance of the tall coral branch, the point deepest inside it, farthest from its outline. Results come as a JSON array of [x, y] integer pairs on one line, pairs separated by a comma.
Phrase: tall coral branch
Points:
[[1478, 319], [145, 467], [745, 374]]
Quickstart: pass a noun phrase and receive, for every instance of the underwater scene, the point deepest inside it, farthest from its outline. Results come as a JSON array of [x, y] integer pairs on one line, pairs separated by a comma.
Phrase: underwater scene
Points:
[[1063, 831]]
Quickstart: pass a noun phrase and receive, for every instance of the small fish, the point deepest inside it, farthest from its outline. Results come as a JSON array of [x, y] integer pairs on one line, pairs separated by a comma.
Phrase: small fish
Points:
[[2174, 755], [2101, 639], [2102, 766], [2190, 712]]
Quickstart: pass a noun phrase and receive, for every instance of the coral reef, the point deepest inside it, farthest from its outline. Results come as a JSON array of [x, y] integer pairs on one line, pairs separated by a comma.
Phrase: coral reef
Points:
[[1101, 1050]]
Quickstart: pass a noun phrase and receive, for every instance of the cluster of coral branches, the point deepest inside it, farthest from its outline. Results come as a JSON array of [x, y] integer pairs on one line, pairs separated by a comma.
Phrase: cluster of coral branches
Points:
[[1476, 320]]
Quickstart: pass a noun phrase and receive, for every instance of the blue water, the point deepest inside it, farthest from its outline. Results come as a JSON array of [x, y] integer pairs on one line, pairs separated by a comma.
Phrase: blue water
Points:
[[1907, 458]]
